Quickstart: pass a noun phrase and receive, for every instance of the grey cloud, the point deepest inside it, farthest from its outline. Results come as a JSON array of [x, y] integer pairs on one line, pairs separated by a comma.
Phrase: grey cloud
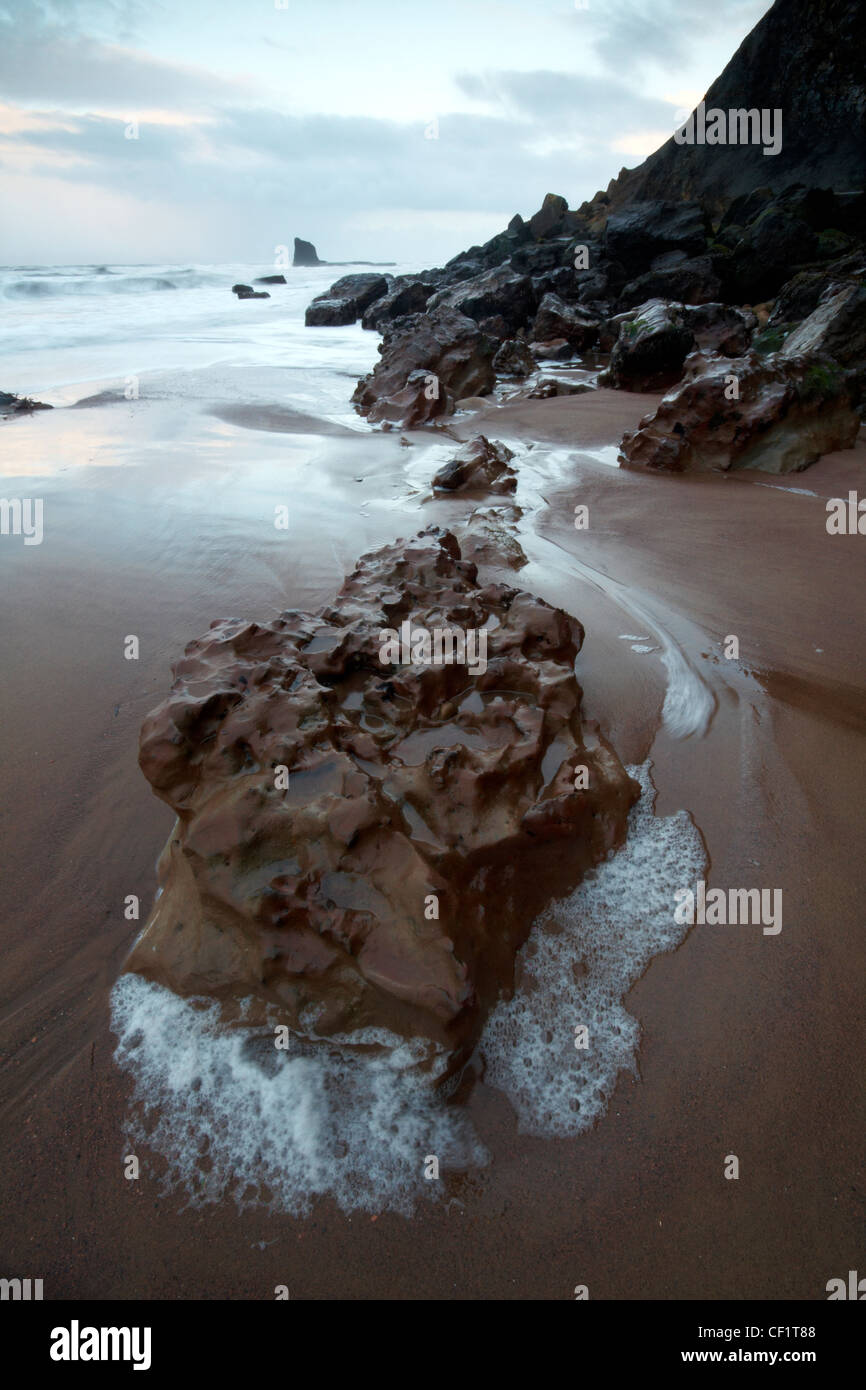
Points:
[[42, 59]]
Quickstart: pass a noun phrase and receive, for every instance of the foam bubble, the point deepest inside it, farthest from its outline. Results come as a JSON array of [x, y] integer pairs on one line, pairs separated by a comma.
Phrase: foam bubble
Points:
[[233, 1115], [611, 927]]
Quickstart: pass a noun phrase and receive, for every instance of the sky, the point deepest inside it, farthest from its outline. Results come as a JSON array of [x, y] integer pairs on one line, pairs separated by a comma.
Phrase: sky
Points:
[[217, 130]]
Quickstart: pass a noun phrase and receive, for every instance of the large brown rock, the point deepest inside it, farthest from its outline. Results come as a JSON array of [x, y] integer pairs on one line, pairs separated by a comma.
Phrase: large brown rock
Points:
[[481, 464], [431, 809], [448, 348], [787, 414]]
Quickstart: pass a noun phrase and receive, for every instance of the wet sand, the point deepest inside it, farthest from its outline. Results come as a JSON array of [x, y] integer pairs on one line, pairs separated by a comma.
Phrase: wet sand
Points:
[[159, 519]]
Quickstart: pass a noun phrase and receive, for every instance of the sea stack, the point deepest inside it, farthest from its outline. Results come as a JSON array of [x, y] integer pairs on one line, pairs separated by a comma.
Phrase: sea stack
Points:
[[305, 253]]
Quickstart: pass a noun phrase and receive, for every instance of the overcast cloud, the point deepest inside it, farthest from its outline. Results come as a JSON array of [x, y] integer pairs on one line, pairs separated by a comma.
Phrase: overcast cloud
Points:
[[256, 123]]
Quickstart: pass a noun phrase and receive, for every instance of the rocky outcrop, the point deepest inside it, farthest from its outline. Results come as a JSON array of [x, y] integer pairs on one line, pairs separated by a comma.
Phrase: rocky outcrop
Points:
[[804, 58], [305, 253], [674, 276], [650, 349], [271, 280], [345, 301], [787, 412], [478, 465], [501, 291], [643, 231], [10, 404], [406, 296], [330, 313], [514, 359], [447, 356], [836, 327], [555, 319], [365, 834]]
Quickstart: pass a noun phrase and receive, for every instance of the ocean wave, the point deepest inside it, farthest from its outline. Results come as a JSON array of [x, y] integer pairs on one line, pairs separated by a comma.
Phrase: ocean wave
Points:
[[97, 283]]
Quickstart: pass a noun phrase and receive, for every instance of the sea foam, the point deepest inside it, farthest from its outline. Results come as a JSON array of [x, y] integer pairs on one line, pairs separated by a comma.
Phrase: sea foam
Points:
[[584, 954], [356, 1118], [234, 1116]]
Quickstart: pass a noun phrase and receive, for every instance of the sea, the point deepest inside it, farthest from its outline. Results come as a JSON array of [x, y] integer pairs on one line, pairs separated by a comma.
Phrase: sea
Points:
[[71, 329]]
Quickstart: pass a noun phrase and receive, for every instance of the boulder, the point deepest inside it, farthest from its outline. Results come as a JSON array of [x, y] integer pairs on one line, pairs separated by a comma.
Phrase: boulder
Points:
[[499, 291], [479, 464], [331, 783], [720, 328], [788, 413], [514, 359], [639, 232], [330, 313], [305, 253], [777, 242], [271, 280], [555, 319], [689, 281], [549, 216], [650, 348], [361, 290], [836, 327], [405, 296], [447, 347]]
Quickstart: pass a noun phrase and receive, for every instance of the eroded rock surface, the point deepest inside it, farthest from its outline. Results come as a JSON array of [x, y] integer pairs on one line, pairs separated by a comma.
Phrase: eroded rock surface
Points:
[[789, 412], [446, 347], [479, 464], [409, 785]]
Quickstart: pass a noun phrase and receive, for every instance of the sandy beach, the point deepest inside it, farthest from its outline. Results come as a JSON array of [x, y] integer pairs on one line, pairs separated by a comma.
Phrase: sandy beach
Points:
[[158, 520]]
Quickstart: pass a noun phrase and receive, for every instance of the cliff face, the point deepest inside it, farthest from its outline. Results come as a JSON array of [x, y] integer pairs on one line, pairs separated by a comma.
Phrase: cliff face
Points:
[[805, 58]]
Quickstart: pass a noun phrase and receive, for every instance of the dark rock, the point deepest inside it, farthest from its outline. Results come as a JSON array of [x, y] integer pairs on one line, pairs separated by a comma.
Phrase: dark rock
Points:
[[720, 328], [836, 327], [805, 58], [549, 216], [514, 359], [558, 320], [330, 313], [641, 231], [772, 246], [650, 349], [362, 290], [689, 282], [10, 404], [479, 464], [405, 296], [787, 414], [497, 292], [448, 348], [305, 253], [271, 280]]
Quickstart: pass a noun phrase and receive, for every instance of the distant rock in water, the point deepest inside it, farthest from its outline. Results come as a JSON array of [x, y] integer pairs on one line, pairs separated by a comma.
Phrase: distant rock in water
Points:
[[305, 253], [10, 404], [366, 830], [271, 280], [247, 292]]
